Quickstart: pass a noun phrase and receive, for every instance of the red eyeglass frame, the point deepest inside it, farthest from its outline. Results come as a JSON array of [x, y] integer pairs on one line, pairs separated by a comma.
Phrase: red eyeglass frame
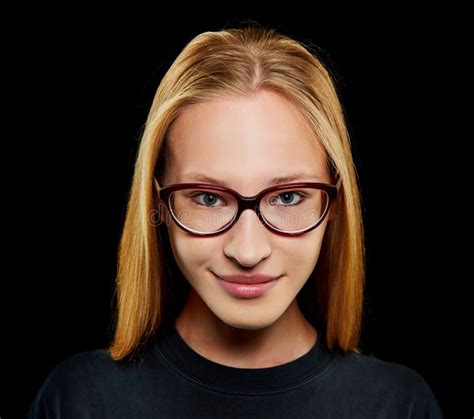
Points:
[[246, 202]]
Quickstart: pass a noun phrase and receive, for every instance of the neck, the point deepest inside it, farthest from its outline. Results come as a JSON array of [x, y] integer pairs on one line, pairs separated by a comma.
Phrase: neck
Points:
[[288, 338]]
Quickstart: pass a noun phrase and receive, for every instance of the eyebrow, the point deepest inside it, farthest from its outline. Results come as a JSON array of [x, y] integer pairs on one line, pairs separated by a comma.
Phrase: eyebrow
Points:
[[201, 177]]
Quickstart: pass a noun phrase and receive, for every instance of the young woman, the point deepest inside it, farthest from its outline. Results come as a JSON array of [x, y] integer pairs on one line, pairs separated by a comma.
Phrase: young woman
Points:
[[241, 265]]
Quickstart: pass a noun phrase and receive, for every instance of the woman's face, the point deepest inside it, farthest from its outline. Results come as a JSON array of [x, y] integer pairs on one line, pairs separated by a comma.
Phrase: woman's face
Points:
[[245, 142]]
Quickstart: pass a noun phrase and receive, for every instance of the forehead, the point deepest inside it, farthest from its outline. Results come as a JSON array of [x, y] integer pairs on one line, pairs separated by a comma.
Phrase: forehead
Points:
[[243, 141]]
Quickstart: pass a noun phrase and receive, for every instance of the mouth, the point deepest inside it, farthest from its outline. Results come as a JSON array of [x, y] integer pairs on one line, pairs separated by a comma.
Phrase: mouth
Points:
[[247, 279], [248, 290]]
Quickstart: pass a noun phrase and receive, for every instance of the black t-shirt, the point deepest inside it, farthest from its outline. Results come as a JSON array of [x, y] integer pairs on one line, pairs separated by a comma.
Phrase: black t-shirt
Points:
[[170, 380]]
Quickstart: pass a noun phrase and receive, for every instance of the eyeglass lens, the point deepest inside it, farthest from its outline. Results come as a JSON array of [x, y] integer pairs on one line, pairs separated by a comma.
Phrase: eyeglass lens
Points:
[[206, 211]]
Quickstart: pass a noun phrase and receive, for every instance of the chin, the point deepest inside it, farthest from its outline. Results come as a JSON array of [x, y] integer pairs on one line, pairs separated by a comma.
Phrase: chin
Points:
[[242, 324]]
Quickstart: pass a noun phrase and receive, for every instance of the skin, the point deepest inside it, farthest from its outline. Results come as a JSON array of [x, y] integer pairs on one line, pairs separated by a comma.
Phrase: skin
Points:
[[245, 141]]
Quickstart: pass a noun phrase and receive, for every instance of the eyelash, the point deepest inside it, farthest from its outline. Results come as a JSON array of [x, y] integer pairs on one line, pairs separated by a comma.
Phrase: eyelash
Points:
[[300, 194]]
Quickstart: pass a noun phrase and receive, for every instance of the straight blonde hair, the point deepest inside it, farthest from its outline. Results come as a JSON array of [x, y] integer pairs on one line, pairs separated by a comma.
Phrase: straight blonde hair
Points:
[[229, 63]]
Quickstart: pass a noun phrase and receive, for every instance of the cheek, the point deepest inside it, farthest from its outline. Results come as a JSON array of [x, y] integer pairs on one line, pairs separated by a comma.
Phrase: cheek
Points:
[[300, 254], [191, 253]]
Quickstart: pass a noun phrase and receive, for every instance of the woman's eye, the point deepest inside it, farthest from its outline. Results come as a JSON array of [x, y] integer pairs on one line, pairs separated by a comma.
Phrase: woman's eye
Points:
[[206, 199], [287, 198]]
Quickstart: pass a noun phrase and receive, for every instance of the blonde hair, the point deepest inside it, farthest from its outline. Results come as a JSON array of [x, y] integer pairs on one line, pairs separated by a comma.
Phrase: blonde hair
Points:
[[236, 62]]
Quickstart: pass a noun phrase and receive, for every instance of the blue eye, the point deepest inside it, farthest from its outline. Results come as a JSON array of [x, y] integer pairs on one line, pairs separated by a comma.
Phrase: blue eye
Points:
[[206, 202], [288, 198]]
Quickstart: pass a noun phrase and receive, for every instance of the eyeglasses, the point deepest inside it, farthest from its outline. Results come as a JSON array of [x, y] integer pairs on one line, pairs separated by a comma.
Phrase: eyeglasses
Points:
[[289, 209]]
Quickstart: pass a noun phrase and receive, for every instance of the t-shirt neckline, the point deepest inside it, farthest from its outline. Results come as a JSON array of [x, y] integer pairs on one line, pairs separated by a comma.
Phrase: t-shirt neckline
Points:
[[174, 350]]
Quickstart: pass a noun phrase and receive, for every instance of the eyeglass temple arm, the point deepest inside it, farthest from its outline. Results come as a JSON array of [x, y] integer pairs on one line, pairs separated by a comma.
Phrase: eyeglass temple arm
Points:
[[157, 186]]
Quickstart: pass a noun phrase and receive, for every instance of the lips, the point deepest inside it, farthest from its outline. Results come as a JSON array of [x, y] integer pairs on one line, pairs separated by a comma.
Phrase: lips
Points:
[[248, 279]]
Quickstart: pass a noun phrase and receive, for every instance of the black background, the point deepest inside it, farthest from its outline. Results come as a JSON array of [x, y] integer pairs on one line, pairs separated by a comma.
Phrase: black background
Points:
[[81, 84]]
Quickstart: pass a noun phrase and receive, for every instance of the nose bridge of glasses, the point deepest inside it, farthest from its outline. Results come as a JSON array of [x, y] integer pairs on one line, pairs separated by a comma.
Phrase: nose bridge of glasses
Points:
[[248, 203], [245, 204]]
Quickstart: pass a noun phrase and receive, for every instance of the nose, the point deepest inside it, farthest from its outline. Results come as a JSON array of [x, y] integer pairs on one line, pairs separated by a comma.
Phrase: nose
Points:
[[248, 240]]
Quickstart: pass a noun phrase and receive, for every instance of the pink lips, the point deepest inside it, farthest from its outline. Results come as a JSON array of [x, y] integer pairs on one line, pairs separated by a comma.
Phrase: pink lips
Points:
[[248, 279], [247, 286]]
